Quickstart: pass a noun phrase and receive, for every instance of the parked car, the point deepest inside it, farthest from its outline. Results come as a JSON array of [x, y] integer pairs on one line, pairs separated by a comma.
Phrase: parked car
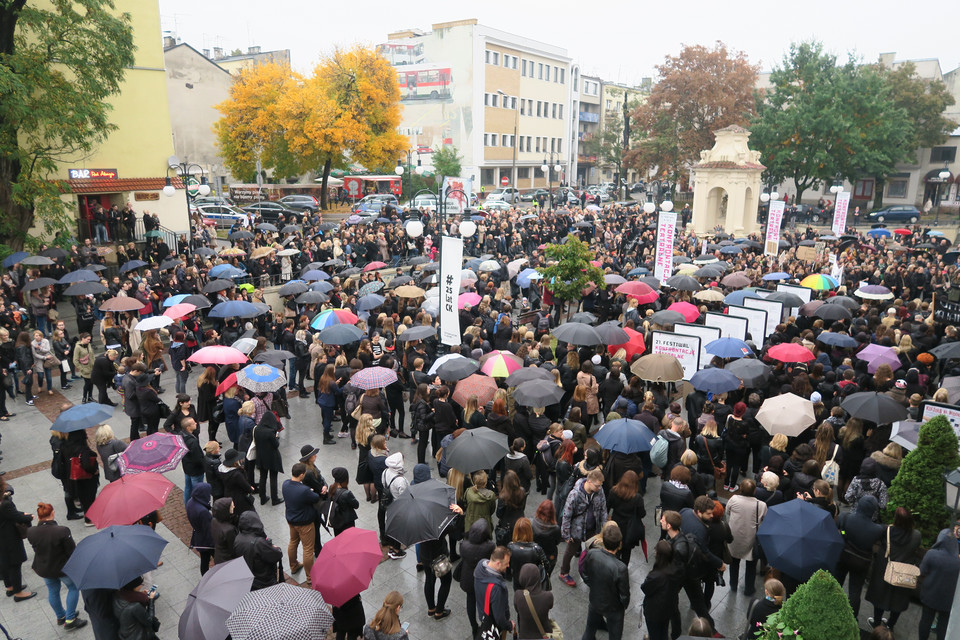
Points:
[[199, 200], [505, 194], [496, 205], [273, 211], [371, 205], [895, 213], [300, 202], [223, 215], [535, 194], [597, 192]]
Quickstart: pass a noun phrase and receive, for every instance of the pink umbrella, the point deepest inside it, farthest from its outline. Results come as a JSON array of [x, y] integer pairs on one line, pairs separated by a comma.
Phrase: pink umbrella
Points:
[[228, 382], [639, 290], [179, 310], [877, 355], [219, 355], [158, 452], [346, 564], [476, 385], [373, 266], [689, 311], [129, 499], [470, 298]]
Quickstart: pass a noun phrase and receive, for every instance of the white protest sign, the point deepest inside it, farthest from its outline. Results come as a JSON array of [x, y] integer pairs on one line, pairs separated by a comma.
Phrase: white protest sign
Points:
[[730, 326], [773, 308], [756, 319], [686, 349], [451, 264], [706, 335]]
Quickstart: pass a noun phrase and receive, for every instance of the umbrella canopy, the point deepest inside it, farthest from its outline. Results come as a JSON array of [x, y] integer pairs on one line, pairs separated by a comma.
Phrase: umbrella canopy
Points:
[[113, 557], [454, 367], [840, 340], [419, 332], [527, 374], [879, 233], [906, 433], [422, 513], [341, 334], [777, 275], [131, 265], [153, 322], [368, 302], [373, 266], [82, 416], [819, 282], [292, 288], [584, 317], [177, 311], [409, 291], [259, 377], [85, 288], [786, 413], [612, 333], [715, 381], [613, 278], [475, 385], [212, 601], [475, 449], [245, 345], [226, 271], [729, 348], [228, 382], [833, 312], [809, 308], [15, 258], [37, 261], [217, 285], [128, 499], [281, 611], [158, 452], [798, 538], [345, 565], [946, 351], [737, 297], [687, 310], [709, 295], [371, 287], [633, 346], [81, 275], [874, 407], [736, 280], [658, 367], [200, 302], [754, 373], [373, 378], [525, 276], [577, 333], [845, 301], [500, 364], [790, 352], [666, 317], [877, 355], [121, 304], [311, 275], [874, 292], [625, 436], [234, 309], [333, 316], [469, 299], [788, 299], [643, 293], [218, 355], [38, 283], [537, 392]]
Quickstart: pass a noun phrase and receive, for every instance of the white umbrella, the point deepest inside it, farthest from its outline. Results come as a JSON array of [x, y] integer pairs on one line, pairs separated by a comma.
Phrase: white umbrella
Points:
[[441, 360], [245, 345], [787, 413], [155, 322], [288, 252], [489, 265], [513, 267]]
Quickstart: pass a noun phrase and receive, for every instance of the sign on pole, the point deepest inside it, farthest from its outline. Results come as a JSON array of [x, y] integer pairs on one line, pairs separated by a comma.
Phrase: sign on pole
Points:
[[773, 308], [840, 210], [686, 349], [756, 321], [774, 220], [706, 335], [730, 326], [666, 230], [451, 261]]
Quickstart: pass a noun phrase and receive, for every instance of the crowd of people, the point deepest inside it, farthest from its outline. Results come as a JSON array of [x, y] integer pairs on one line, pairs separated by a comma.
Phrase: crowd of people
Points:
[[723, 470]]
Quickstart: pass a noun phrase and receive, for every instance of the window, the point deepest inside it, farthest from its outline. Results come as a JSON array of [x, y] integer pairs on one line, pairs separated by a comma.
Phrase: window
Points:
[[553, 145], [563, 73], [556, 74], [486, 139], [540, 70], [609, 103], [523, 173], [494, 138], [943, 154], [897, 188], [529, 143], [538, 144], [576, 79], [494, 100], [559, 145], [863, 189], [539, 108], [513, 103], [516, 61], [523, 68], [492, 57], [523, 107], [486, 176], [554, 110], [506, 140], [486, 99], [560, 111]]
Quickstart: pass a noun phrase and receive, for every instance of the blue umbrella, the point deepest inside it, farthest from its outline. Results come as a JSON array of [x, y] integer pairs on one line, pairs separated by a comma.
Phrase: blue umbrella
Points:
[[177, 299], [260, 377], [798, 538], [130, 265], [883, 233], [732, 249], [81, 275], [737, 297], [383, 219], [729, 348], [841, 340], [226, 271], [14, 258], [370, 301], [625, 435], [313, 275], [639, 271], [929, 233], [322, 286], [234, 309], [777, 275], [715, 381], [113, 557], [82, 416], [524, 277]]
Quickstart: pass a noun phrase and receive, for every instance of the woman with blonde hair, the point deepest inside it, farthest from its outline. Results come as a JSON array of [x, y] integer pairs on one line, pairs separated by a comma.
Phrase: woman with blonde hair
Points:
[[472, 414], [109, 447], [385, 624], [365, 432]]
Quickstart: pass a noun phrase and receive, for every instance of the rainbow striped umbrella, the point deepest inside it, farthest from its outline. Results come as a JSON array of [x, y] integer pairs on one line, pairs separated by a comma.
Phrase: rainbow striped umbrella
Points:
[[331, 317], [500, 364], [819, 282]]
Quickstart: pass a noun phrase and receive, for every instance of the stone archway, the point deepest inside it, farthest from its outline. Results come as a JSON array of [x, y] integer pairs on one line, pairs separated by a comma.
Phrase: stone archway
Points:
[[733, 168]]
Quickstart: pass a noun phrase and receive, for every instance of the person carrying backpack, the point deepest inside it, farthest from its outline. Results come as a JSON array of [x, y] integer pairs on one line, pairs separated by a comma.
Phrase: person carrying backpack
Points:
[[392, 486], [691, 559], [583, 516]]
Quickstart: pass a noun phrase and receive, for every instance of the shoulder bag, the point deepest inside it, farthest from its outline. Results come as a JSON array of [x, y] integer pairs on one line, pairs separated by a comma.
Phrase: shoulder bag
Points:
[[719, 473], [555, 633], [488, 626], [900, 574], [252, 450], [831, 470], [441, 565]]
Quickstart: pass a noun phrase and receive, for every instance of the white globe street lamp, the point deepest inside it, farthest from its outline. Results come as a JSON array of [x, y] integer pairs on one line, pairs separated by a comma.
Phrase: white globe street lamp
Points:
[[649, 207], [468, 228], [169, 190], [414, 228], [203, 189], [398, 170], [666, 205]]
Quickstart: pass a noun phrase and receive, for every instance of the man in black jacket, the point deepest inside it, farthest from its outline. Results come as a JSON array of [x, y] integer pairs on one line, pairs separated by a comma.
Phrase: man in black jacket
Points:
[[609, 586], [193, 467], [689, 556], [490, 588]]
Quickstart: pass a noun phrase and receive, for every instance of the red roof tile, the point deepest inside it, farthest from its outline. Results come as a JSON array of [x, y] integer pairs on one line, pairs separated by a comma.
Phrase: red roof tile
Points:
[[108, 185]]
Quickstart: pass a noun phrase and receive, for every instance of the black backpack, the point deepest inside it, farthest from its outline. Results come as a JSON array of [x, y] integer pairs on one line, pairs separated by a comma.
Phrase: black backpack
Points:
[[693, 561]]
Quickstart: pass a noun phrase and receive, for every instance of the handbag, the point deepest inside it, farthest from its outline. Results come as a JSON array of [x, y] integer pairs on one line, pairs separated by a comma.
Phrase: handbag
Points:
[[51, 362], [164, 410], [357, 412], [831, 470], [441, 565], [555, 633], [77, 472], [252, 450], [488, 627], [900, 574], [719, 473]]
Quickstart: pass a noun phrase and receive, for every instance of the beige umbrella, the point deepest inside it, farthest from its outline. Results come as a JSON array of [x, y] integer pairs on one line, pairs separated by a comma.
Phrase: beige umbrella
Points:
[[709, 295], [261, 252], [658, 367], [736, 280], [787, 413], [409, 291]]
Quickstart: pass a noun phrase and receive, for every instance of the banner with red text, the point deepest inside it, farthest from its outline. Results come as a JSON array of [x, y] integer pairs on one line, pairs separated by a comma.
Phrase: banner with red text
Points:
[[840, 213], [774, 220], [666, 230]]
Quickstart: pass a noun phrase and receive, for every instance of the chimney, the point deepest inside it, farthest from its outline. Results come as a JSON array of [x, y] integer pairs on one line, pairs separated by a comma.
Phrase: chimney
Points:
[[253, 50], [169, 41], [217, 53], [206, 53]]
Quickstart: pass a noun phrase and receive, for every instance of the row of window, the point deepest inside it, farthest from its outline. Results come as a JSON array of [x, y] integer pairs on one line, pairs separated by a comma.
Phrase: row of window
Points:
[[498, 100], [527, 144], [591, 88], [528, 68], [538, 108]]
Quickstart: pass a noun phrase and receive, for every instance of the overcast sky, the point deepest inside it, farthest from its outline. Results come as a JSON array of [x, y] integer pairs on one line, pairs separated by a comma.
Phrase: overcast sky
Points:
[[620, 41]]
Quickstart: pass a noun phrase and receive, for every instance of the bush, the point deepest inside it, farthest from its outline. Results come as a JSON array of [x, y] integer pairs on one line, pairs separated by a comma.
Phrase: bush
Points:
[[919, 485], [818, 610]]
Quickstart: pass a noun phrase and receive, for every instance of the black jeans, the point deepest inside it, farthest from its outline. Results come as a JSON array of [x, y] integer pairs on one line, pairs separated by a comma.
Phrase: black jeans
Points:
[[102, 396], [735, 459], [423, 439], [206, 555], [855, 588], [694, 590], [595, 620], [926, 620], [136, 423], [263, 484], [472, 611], [657, 628], [13, 577], [87, 389], [429, 583], [749, 577]]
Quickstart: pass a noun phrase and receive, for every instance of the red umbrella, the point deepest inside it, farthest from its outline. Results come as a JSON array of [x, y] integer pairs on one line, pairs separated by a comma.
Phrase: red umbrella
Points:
[[228, 382], [373, 266], [484, 387], [128, 499], [634, 346], [179, 310], [345, 566], [689, 311], [790, 352], [902, 232], [639, 290], [219, 355]]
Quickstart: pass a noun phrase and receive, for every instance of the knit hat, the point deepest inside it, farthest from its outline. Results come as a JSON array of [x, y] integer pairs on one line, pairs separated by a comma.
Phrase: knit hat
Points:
[[815, 397]]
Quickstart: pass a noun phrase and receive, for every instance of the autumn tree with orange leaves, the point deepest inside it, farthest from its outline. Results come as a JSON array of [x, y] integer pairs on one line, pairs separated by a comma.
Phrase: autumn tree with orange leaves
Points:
[[698, 91], [346, 111]]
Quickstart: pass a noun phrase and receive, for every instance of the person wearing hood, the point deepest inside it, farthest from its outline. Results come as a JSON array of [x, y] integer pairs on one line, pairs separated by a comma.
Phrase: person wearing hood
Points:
[[131, 404], [867, 483], [235, 483], [390, 485], [888, 462], [490, 587], [860, 533], [198, 512], [532, 603], [900, 543], [939, 571], [145, 400], [266, 437], [211, 466], [223, 530], [477, 546], [481, 501], [260, 554], [301, 517]]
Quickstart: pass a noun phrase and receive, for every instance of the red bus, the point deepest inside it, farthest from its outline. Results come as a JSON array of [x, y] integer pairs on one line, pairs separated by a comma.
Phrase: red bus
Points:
[[424, 81]]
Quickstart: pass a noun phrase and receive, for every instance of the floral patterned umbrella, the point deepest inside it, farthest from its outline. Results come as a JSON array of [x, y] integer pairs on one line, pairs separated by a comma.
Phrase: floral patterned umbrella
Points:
[[158, 452]]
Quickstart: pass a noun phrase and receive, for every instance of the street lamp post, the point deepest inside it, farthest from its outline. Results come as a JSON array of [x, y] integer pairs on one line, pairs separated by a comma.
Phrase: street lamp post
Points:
[[768, 196], [516, 127], [944, 175], [548, 168], [400, 170], [183, 171]]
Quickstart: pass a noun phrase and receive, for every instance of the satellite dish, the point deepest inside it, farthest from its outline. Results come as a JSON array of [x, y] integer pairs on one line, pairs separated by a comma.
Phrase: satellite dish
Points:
[[173, 161]]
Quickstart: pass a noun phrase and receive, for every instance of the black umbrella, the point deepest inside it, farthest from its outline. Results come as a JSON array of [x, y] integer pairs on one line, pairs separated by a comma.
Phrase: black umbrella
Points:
[[844, 301], [433, 266], [37, 261], [350, 271], [584, 317], [241, 235], [526, 374], [457, 369], [538, 393], [418, 332], [217, 285], [341, 334], [96, 267], [681, 260], [418, 260], [200, 302], [266, 226], [38, 283], [422, 513], [85, 288], [312, 297], [205, 251], [293, 288], [651, 281], [131, 265], [947, 350], [683, 283], [666, 317], [54, 252], [291, 228], [612, 333], [710, 271], [399, 281], [274, 357], [80, 275], [874, 407], [169, 263], [833, 312], [577, 333], [788, 299], [476, 449], [327, 226], [754, 373]]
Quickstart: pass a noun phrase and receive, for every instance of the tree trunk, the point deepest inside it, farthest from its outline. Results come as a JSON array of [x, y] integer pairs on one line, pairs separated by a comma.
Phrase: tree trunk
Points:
[[324, 196], [878, 192], [18, 218]]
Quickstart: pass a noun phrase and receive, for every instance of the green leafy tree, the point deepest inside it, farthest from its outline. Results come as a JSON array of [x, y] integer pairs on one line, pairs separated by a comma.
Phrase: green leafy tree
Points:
[[607, 145], [60, 62], [446, 163], [919, 485], [818, 609], [820, 119], [572, 271]]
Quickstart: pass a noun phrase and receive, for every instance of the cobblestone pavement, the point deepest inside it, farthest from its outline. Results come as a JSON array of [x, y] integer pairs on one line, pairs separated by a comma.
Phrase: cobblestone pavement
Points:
[[26, 461]]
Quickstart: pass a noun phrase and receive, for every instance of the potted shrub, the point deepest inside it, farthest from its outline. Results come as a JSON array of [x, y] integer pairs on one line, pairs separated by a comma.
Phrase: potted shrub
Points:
[[818, 610]]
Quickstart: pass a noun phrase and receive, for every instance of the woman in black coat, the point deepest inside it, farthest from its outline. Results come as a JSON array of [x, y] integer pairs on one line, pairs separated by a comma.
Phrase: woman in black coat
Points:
[[626, 504], [84, 489], [12, 552], [904, 545], [661, 590], [102, 375], [477, 546], [266, 437], [235, 483]]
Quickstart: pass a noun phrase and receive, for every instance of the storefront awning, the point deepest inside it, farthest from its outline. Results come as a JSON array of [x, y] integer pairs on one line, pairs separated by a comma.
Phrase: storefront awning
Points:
[[933, 177], [119, 185]]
